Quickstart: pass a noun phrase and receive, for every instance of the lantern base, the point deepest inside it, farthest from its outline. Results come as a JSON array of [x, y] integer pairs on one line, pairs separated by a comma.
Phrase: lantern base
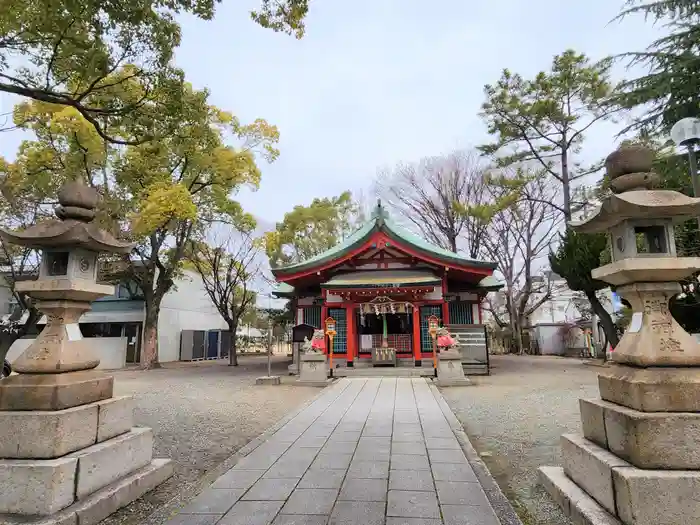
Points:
[[54, 391], [654, 338], [659, 389]]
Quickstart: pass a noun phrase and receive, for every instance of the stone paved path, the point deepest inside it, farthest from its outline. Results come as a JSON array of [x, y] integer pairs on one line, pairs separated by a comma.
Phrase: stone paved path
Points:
[[375, 451]]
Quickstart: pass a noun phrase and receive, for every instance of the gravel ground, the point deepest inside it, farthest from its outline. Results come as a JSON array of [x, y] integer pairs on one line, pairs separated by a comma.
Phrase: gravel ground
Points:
[[514, 419], [202, 413]]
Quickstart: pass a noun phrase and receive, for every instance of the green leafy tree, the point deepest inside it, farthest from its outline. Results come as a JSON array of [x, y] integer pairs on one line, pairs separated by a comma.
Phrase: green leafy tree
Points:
[[670, 88], [228, 270], [575, 257], [307, 231], [82, 54], [543, 121], [158, 194]]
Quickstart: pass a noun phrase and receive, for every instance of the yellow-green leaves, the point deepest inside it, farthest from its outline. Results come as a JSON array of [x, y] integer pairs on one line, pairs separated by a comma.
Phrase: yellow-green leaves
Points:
[[307, 231], [161, 204], [285, 16]]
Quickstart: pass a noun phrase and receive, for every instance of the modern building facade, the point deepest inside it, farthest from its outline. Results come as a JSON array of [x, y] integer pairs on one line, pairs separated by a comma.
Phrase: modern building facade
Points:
[[381, 285], [117, 320]]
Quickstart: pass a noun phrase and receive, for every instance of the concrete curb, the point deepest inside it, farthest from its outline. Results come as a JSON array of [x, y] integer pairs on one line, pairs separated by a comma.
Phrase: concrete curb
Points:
[[501, 506], [167, 510]]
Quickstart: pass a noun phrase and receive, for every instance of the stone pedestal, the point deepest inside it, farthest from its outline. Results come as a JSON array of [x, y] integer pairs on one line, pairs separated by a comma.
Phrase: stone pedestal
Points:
[[69, 451], [450, 371], [638, 460], [313, 369], [268, 380]]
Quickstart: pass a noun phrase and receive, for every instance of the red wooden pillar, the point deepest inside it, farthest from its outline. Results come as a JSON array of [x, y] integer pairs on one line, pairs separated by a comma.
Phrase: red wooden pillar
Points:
[[445, 308], [416, 336], [351, 338], [324, 315]]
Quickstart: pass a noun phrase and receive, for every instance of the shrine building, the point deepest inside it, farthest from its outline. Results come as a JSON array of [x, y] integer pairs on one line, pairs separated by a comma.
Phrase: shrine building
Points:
[[381, 285]]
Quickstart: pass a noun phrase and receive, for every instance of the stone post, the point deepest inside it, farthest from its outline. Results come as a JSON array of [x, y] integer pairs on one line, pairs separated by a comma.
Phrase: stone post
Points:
[[313, 369], [450, 371], [69, 452], [638, 460]]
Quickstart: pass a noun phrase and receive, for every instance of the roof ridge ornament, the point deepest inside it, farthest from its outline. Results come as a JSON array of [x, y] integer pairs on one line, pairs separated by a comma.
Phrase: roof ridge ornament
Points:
[[379, 213]]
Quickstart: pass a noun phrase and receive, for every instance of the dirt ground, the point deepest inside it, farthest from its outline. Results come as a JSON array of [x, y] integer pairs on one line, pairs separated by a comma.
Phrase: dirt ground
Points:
[[201, 413], [514, 418]]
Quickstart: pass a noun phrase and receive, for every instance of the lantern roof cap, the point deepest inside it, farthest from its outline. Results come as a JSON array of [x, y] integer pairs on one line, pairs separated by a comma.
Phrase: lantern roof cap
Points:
[[73, 226], [640, 204]]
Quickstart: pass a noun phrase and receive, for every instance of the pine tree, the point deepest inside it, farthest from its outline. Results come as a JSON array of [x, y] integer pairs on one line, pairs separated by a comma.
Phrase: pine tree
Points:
[[670, 90]]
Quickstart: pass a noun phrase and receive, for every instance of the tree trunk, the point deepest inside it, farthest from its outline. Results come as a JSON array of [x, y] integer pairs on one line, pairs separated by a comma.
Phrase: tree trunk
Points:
[[605, 321], [519, 336], [565, 182], [233, 350], [453, 243], [149, 355]]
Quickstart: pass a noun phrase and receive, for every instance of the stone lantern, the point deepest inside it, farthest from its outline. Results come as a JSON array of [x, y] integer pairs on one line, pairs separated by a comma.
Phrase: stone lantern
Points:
[[68, 452], [638, 461]]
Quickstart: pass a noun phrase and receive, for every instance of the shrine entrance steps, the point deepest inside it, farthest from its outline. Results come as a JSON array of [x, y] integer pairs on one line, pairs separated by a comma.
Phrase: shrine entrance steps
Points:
[[384, 371]]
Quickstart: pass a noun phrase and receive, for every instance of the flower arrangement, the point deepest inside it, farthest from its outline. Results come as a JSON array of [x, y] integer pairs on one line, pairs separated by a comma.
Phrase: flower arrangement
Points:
[[317, 343], [445, 341]]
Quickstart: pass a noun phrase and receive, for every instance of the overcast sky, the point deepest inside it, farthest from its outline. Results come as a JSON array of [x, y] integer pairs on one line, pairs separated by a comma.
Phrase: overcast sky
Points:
[[377, 82]]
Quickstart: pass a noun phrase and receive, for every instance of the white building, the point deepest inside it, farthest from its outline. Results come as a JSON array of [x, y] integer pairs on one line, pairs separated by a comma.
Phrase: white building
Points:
[[118, 320]]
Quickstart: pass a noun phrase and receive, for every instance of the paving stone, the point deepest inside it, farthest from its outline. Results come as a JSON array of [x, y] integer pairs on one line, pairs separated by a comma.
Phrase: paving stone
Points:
[[311, 501], [314, 442], [384, 431], [409, 462], [194, 519], [322, 479], [238, 479], [213, 501], [416, 437], [447, 456], [300, 453], [289, 468], [438, 431], [358, 513], [363, 490], [469, 515], [332, 461], [409, 448], [412, 504], [442, 443], [339, 447], [411, 480], [369, 469], [450, 472], [299, 519], [374, 441], [270, 489], [412, 521], [367, 453], [407, 429], [460, 493], [251, 513], [346, 435]]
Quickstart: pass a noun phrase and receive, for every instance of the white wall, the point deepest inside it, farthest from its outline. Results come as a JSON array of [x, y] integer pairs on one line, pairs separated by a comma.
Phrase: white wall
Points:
[[110, 350], [186, 307]]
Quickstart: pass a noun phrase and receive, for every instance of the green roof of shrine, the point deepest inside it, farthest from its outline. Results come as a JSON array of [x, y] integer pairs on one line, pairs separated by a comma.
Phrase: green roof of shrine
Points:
[[395, 278], [380, 221], [489, 284]]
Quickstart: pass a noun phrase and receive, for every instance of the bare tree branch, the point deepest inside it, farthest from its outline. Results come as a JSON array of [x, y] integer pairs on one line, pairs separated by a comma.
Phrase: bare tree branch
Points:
[[425, 194]]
